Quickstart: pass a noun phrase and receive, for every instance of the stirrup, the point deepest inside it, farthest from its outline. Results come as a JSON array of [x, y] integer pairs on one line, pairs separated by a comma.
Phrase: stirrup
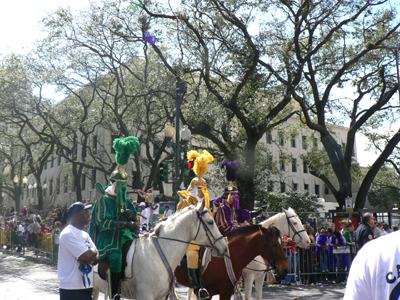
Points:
[[203, 294], [117, 297]]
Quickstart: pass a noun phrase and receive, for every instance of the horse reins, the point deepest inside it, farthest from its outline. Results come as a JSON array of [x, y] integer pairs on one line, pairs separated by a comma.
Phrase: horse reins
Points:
[[265, 244]]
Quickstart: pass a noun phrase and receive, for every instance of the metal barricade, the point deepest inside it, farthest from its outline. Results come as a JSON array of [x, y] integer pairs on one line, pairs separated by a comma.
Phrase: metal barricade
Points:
[[45, 245]]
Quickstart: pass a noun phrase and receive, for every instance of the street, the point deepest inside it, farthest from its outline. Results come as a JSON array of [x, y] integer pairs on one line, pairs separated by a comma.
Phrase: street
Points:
[[25, 278]]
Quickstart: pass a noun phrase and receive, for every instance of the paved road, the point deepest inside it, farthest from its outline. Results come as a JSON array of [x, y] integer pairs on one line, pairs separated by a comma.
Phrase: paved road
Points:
[[25, 278]]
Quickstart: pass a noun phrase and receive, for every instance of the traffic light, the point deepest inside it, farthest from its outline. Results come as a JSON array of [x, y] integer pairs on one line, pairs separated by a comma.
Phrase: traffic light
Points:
[[188, 173], [164, 172]]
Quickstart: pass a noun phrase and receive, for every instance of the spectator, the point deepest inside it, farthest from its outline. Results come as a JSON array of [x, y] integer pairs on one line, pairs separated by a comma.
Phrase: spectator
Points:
[[350, 238], [77, 256], [167, 211], [374, 272], [20, 236], [307, 255], [35, 230], [293, 256], [56, 238], [337, 241], [386, 228], [144, 215], [364, 231], [322, 250], [155, 209]]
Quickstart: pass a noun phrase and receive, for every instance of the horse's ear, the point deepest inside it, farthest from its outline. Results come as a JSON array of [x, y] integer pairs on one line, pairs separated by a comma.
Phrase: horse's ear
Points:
[[284, 210], [202, 204]]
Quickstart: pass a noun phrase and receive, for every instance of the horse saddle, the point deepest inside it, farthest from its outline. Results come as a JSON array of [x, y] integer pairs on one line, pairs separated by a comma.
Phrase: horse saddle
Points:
[[204, 259], [103, 265]]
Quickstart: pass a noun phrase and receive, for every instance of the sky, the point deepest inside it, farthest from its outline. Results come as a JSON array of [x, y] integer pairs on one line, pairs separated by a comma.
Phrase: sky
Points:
[[19, 28]]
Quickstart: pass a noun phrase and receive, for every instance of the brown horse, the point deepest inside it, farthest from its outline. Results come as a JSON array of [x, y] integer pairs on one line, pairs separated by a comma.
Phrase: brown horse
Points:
[[244, 245]]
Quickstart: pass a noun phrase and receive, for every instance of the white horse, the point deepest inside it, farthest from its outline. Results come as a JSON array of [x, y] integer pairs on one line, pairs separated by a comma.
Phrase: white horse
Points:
[[289, 224], [148, 278]]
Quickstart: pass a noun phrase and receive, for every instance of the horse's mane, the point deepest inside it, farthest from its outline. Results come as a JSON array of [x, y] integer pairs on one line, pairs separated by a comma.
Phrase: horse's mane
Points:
[[244, 230], [171, 218], [271, 220], [275, 229]]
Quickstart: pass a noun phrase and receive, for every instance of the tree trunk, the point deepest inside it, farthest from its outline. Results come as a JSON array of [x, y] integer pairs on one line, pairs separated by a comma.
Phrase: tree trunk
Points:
[[245, 181]]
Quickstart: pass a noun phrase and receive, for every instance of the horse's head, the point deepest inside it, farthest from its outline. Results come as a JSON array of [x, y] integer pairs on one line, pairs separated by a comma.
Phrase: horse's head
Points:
[[207, 232], [294, 228], [273, 251]]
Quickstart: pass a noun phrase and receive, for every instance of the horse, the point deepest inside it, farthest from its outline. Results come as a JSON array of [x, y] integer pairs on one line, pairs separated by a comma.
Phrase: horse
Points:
[[147, 277], [289, 224], [244, 244]]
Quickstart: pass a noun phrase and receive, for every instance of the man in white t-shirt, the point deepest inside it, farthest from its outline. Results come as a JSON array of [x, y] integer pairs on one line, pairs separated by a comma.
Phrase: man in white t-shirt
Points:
[[77, 255], [375, 271], [144, 215]]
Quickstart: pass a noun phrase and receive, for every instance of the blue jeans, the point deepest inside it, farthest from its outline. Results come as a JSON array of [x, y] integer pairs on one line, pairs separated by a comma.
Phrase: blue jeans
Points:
[[85, 294], [324, 260], [339, 261], [294, 267]]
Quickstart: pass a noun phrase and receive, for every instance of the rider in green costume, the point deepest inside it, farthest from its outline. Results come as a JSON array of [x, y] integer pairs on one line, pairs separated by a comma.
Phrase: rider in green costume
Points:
[[114, 215]]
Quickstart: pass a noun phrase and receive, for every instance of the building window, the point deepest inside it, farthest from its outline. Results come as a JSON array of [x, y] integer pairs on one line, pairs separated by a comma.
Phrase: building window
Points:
[[66, 184], [293, 141], [283, 187], [59, 160], [304, 142], [294, 165], [270, 186], [305, 167], [52, 162], [269, 138], [84, 154], [57, 185], [51, 187], [327, 191], [94, 144], [281, 139], [295, 187], [315, 142], [281, 165], [155, 149], [93, 178], [317, 190], [83, 187], [45, 165], [306, 188]]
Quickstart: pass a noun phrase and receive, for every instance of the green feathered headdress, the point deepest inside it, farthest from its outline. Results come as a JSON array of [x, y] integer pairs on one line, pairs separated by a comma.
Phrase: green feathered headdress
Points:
[[124, 148]]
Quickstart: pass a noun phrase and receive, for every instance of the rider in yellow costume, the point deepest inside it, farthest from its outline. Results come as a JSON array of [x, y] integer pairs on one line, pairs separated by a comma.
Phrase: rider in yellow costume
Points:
[[197, 191]]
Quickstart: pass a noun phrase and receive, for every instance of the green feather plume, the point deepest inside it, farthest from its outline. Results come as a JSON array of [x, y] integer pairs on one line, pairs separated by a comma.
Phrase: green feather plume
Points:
[[124, 148]]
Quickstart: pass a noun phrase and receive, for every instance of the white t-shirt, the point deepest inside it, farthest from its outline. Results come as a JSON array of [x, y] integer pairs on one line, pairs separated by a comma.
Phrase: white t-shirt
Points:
[[167, 213], [73, 243], [375, 271], [156, 211], [145, 213]]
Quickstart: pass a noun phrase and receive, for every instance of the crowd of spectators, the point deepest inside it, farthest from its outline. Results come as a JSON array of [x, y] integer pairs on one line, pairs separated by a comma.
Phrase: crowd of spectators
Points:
[[330, 254], [26, 229]]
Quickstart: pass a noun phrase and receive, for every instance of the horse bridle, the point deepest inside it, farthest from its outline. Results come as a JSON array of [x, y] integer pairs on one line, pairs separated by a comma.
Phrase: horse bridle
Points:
[[291, 226], [265, 245], [209, 234]]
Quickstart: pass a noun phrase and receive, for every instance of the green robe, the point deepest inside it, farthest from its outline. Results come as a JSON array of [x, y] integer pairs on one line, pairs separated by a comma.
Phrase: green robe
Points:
[[105, 211]]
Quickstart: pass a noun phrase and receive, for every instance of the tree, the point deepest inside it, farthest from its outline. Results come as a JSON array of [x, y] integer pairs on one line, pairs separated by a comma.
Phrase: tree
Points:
[[117, 77], [302, 202], [232, 100], [384, 191]]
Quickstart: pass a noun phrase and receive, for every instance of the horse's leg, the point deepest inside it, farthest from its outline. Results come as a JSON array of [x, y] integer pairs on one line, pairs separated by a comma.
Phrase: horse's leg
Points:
[[259, 287], [248, 285]]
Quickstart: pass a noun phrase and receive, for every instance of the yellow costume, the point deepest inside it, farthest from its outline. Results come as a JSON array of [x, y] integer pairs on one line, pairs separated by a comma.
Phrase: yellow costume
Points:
[[195, 192]]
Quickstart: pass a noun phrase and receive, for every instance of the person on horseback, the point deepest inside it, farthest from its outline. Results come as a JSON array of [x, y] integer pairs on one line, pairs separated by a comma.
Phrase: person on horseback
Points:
[[114, 215], [197, 191], [229, 216]]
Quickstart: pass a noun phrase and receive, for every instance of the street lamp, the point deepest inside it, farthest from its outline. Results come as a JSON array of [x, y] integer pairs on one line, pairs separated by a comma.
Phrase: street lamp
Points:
[[34, 193], [30, 187], [17, 181]]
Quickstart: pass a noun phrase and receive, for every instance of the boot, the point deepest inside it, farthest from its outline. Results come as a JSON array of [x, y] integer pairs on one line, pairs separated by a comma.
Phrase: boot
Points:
[[115, 277], [194, 279]]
